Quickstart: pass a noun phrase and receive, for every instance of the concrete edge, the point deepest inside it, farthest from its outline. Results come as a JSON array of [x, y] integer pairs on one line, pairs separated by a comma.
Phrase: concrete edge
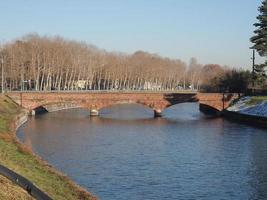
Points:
[[24, 183]]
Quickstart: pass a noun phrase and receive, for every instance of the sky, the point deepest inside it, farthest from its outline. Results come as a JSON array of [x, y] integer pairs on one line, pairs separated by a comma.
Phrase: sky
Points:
[[213, 31]]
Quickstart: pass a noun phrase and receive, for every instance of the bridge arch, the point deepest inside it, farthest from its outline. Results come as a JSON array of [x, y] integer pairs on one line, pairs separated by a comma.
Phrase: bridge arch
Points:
[[96, 108], [39, 110], [177, 103]]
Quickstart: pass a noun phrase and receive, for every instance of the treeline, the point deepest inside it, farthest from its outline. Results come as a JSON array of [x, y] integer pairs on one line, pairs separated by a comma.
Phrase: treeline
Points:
[[238, 81], [233, 81], [259, 40], [53, 63]]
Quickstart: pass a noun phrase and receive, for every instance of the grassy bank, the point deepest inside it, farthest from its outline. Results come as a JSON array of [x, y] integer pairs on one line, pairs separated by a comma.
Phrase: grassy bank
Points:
[[20, 159], [9, 190]]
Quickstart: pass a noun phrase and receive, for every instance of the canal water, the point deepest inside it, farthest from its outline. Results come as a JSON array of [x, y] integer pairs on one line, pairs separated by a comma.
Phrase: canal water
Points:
[[126, 154]]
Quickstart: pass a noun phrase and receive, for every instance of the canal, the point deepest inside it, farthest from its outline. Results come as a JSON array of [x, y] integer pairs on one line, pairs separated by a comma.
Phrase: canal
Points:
[[126, 154]]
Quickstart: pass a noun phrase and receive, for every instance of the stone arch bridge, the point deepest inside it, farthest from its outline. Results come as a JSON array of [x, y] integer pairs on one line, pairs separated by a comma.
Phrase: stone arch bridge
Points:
[[94, 101]]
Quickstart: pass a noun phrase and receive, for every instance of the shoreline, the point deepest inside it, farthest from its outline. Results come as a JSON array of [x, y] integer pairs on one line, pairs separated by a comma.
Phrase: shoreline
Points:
[[21, 119], [252, 120], [250, 110], [23, 161]]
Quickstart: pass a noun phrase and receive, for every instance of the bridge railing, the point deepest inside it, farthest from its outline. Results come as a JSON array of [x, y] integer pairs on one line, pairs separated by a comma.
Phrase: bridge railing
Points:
[[103, 91]]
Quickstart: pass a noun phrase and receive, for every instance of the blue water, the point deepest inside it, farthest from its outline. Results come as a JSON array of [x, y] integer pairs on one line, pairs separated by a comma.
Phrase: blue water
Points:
[[127, 154]]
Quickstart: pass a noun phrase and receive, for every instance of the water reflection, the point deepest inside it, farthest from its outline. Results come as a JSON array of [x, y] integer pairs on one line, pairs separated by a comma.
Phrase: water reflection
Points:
[[127, 154]]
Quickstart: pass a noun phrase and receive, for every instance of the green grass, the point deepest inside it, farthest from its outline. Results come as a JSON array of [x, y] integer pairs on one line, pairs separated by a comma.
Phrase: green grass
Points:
[[256, 100], [20, 159]]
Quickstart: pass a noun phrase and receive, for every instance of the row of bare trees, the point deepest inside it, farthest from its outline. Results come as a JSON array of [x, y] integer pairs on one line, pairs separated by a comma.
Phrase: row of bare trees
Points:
[[53, 63]]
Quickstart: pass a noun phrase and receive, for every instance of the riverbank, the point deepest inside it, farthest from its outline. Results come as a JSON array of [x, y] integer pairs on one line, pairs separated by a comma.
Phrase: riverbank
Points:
[[249, 110], [20, 159]]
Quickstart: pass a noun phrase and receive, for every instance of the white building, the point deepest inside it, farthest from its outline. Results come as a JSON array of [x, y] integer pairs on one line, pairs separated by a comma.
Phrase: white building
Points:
[[151, 86]]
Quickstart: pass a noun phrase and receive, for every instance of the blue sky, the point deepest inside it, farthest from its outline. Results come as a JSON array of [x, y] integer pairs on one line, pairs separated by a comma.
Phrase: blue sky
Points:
[[213, 31]]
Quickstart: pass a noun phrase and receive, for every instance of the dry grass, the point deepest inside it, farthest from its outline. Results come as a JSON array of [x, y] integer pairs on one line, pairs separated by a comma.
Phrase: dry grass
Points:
[[10, 191], [19, 158]]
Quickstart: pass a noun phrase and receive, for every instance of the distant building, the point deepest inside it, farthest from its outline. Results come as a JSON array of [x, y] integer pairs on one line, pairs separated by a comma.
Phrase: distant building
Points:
[[80, 84], [151, 86]]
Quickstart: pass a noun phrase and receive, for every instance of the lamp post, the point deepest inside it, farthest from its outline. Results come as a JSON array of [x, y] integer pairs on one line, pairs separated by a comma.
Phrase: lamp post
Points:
[[2, 72], [253, 69], [22, 78]]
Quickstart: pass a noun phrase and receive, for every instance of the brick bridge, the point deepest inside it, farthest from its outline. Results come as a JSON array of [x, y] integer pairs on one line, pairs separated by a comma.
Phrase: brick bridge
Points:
[[94, 101]]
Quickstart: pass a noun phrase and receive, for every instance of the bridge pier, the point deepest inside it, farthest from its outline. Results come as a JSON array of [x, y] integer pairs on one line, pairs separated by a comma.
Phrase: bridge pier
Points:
[[33, 112], [94, 112], [157, 113]]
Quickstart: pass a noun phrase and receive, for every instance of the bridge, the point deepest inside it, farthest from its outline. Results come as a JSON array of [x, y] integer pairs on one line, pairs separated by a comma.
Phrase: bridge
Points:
[[96, 100]]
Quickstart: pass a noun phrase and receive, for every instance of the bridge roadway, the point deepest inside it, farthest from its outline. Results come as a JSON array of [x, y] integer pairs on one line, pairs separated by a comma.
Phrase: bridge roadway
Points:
[[96, 100]]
